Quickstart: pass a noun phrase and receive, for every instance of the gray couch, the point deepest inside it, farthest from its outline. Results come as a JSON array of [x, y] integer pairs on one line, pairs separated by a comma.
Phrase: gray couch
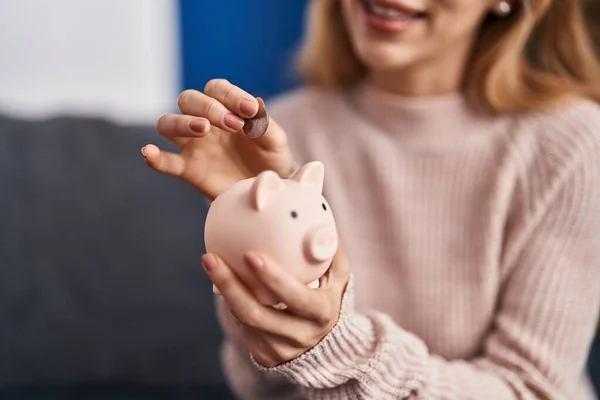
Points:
[[102, 294]]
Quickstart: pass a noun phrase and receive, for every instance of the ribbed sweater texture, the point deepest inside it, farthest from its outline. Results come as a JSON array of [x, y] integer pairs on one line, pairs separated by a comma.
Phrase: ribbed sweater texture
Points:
[[474, 244]]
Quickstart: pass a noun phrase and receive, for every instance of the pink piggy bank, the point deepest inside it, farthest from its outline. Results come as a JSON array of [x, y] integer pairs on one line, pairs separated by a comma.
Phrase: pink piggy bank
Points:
[[288, 220]]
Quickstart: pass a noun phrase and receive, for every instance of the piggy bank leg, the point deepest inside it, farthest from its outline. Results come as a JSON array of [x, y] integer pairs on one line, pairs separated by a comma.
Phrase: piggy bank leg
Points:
[[314, 284], [216, 291]]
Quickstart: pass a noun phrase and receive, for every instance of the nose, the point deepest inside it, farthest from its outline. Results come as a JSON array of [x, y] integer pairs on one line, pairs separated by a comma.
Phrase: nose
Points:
[[321, 243]]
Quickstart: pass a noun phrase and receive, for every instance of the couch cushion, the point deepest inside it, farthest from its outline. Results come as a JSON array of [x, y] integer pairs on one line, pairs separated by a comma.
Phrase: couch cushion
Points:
[[100, 274]]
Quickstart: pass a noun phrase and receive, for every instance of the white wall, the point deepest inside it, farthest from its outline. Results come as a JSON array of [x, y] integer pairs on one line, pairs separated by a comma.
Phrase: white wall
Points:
[[112, 58]]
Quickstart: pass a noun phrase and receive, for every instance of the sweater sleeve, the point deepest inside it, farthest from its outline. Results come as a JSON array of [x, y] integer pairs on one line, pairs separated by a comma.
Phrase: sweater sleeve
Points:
[[538, 341]]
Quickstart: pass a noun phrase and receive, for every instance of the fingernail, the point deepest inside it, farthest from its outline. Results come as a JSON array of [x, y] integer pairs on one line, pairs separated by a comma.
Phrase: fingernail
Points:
[[209, 262], [255, 261], [234, 122], [143, 148], [249, 108], [198, 125]]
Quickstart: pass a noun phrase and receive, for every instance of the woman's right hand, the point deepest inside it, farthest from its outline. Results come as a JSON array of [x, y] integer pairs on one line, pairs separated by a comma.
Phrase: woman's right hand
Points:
[[215, 153]]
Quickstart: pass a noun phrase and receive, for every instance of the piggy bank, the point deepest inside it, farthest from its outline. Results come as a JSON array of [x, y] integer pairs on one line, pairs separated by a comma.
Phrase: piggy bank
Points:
[[288, 220]]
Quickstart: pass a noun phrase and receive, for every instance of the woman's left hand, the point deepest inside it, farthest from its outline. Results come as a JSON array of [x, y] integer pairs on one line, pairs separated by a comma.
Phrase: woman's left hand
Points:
[[272, 336]]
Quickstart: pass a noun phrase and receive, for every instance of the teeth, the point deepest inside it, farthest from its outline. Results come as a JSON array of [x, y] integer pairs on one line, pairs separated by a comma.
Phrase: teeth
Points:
[[386, 12]]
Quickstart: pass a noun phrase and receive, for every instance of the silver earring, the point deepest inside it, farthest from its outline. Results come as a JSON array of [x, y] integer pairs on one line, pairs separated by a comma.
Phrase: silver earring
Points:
[[503, 8]]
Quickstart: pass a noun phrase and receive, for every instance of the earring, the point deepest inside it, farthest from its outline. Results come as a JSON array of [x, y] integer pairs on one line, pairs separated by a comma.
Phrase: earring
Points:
[[503, 8]]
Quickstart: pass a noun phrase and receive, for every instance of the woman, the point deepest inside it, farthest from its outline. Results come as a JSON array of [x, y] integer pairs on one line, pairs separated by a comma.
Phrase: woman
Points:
[[461, 141]]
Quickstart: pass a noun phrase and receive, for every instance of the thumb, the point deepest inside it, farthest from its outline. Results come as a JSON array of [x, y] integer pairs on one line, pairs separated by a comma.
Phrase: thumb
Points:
[[163, 161]]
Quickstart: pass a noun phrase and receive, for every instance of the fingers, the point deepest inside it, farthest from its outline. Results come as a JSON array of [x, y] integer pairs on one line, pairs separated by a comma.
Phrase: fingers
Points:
[[193, 102], [222, 103], [163, 161], [232, 97], [172, 126], [243, 304], [225, 106], [300, 299]]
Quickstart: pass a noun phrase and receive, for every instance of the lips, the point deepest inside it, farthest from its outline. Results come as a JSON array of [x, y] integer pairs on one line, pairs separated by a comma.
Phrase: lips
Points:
[[391, 10]]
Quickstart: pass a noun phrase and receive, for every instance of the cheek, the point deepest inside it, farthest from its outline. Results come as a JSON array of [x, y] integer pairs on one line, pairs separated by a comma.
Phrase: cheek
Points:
[[457, 20]]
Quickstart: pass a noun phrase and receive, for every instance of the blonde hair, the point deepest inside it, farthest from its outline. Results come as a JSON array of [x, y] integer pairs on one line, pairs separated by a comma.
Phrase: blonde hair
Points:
[[539, 55]]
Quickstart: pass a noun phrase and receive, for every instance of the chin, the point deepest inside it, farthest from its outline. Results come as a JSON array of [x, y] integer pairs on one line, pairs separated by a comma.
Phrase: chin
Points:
[[377, 56], [385, 37]]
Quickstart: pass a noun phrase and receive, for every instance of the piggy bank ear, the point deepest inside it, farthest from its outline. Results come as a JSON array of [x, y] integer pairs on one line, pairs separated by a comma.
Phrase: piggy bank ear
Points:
[[312, 174], [265, 184]]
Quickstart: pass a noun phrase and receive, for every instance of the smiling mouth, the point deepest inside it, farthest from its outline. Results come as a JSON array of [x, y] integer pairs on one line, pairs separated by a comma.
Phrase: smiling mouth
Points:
[[391, 11]]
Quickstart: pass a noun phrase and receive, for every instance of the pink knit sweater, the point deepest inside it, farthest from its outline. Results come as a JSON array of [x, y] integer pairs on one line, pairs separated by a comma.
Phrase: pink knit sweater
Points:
[[474, 245]]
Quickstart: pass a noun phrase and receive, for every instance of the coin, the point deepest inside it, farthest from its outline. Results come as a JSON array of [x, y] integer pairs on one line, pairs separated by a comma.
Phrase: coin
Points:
[[257, 126]]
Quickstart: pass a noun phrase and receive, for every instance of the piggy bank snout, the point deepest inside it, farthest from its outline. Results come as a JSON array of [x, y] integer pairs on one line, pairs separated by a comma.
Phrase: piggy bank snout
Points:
[[321, 243]]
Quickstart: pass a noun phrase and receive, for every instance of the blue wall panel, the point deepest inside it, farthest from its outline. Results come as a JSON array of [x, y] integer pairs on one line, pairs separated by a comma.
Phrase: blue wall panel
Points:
[[249, 42]]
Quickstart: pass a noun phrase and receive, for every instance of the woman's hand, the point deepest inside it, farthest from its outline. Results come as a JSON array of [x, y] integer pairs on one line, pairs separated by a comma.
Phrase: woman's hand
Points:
[[215, 153], [274, 337]]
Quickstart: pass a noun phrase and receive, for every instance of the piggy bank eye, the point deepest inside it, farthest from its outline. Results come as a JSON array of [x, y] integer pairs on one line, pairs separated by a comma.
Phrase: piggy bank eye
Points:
[[324, 206], [294, 214]]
